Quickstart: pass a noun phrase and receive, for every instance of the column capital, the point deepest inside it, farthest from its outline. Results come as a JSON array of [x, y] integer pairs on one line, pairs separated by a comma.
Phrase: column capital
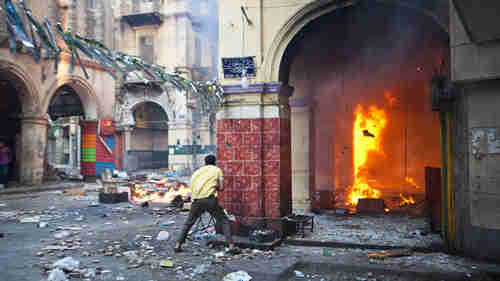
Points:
[[35, 119]]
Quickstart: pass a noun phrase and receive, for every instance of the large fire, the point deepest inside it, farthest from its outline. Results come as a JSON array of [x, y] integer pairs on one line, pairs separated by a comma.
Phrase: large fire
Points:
[[158, 193], [368, 127], [406, 200]]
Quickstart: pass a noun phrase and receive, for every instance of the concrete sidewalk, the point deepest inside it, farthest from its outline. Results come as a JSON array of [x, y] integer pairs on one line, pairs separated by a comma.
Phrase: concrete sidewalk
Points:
[[50, 186]]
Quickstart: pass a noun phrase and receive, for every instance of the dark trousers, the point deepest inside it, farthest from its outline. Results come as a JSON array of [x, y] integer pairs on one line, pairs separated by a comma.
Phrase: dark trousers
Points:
[[210, 205], [4, 174]]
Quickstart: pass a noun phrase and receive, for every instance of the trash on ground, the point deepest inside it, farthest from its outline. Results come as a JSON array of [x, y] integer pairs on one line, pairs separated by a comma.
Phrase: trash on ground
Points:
[[35, 219], [75, 192], [163, 235], [167, 263], [219, 254], [299, 273], [68, 263], [391, 254], [57, 275], [202, 268], [238, 276], [62, 234]]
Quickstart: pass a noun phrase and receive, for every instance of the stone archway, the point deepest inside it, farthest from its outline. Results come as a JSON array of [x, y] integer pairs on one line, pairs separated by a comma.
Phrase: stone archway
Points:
[[304, 108], [91, 104], [28, 140], [147, 145], [316, 9]]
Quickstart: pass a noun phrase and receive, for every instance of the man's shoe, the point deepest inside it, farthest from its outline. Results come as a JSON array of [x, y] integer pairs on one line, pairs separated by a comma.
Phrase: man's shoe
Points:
[[177, 250]]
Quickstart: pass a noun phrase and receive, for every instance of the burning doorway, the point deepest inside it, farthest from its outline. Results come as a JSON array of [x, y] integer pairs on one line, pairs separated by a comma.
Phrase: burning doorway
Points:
[[362, 125], [10, 112]]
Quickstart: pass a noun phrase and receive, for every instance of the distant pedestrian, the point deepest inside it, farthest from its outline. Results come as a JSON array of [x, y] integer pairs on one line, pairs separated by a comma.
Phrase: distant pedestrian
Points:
[[205, 183], [4, 164]]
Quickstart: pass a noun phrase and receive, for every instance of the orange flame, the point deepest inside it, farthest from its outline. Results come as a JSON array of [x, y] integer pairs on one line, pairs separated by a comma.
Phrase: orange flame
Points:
[[406, 201], [368, 126], [412, 181], [167, 195], [390, 99]]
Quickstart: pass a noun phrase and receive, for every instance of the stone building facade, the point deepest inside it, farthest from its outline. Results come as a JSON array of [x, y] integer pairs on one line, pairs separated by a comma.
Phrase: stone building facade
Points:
[[32, 88], [87, 125], [172, 34]]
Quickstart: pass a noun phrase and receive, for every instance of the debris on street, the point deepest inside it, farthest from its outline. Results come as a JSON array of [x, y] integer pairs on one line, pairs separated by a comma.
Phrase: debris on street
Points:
[[238, 276]]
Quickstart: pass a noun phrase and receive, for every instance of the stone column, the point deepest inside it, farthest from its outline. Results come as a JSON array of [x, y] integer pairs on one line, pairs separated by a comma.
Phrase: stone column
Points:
[[34, 141], [300, 120], [254, 152], [127, 135]]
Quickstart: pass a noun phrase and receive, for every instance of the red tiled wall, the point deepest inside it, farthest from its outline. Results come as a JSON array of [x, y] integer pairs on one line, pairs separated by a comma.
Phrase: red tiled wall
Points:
[[254, 155]]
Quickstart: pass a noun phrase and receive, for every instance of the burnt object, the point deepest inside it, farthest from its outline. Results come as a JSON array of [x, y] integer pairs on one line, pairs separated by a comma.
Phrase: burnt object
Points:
[[433, 197], [178, 202], [113, 198], [367, 133], [298, 224], [370, 206], [263, 235]]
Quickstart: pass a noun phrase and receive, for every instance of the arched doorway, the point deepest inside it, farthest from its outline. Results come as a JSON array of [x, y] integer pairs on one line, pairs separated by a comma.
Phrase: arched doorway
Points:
[[10, 135], [64, 136], [361, 116], [149, 138]]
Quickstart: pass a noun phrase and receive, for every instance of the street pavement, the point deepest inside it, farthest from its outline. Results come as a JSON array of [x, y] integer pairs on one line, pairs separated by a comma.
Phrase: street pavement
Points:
[[119, 242]]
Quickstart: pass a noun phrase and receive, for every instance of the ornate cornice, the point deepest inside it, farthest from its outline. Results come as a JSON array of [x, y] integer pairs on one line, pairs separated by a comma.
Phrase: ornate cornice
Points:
[[260, 88]]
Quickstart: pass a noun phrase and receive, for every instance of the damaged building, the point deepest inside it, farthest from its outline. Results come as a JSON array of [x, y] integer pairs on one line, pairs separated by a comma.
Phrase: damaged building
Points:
[[68, 123], [342, 101]]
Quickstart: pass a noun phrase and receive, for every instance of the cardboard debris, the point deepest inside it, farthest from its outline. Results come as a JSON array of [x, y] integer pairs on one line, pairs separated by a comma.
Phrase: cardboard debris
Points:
[[391, 254], [75, 192], [35, 219]]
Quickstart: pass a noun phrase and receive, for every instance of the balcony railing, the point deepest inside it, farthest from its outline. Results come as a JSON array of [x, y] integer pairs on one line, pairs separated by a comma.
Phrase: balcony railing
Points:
[[132, 7]]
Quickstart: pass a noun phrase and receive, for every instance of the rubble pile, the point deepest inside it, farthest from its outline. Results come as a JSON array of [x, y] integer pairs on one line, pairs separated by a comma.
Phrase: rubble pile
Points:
[[386, 230]]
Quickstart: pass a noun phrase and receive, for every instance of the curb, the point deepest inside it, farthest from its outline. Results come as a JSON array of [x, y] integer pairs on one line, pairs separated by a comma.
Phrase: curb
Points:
[[59, 186], [332, 244]]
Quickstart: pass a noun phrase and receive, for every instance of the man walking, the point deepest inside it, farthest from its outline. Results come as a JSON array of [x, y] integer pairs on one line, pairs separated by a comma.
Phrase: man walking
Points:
[[4, 164], [205, 182]]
